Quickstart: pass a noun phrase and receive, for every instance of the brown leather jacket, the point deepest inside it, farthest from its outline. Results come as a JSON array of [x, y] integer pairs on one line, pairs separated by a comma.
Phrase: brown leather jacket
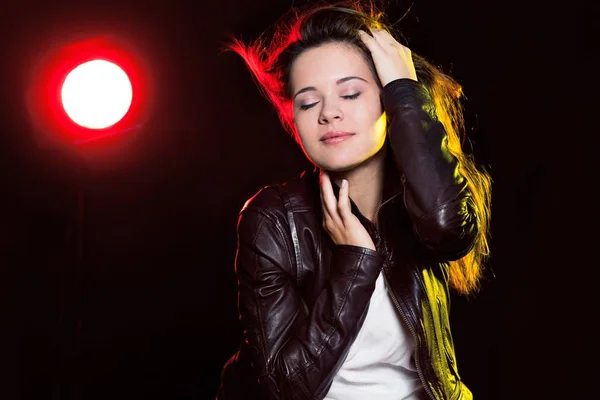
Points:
[[302, 299]]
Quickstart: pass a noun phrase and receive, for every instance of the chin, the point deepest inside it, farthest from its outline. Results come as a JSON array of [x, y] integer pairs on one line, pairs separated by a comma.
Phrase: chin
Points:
[[339, 166], [347, 163]]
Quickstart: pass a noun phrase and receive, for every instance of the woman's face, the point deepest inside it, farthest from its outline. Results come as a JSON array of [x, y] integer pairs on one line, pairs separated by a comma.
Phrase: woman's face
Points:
[[335, 95]]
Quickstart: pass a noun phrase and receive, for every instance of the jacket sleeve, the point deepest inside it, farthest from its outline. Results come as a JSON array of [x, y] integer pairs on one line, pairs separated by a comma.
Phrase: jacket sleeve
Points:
[[436, 195], [294, 349]]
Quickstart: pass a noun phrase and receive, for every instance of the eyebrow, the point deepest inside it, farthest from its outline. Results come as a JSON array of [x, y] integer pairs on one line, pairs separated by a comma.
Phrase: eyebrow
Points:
[[338, 82]]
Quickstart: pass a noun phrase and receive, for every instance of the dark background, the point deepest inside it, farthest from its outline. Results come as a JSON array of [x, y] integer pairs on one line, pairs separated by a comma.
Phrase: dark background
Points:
[[117, 282]]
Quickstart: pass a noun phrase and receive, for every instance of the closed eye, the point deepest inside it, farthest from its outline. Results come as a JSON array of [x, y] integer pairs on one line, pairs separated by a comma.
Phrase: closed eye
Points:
[[307, 106], [348, 97], [352, 96]]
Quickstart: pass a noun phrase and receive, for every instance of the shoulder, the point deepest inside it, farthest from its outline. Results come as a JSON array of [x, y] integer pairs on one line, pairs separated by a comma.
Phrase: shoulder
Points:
[[297, 192], [265, 216]]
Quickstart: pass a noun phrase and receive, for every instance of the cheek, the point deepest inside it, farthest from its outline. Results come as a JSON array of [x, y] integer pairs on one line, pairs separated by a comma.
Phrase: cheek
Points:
[[307, 121], [380, 128], [303, 130], [368, 115]]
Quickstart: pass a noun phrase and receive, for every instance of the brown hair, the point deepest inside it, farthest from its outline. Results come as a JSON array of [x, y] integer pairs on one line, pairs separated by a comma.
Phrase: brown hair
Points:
[[271, 61]]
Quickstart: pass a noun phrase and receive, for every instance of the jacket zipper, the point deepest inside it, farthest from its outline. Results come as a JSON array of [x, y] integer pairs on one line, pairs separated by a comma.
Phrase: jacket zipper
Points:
[[414, 334], [382, 204], [397, 304], [406, 321]]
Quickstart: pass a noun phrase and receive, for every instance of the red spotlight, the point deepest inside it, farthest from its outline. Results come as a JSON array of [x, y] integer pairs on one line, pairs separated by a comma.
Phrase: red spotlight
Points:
[[93, 91]]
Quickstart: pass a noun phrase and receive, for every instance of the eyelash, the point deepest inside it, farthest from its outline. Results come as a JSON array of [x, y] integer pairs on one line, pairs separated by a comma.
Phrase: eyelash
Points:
[[349, 97]]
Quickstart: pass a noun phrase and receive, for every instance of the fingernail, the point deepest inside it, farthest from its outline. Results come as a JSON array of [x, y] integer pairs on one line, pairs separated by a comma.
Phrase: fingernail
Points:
[[344, 183]]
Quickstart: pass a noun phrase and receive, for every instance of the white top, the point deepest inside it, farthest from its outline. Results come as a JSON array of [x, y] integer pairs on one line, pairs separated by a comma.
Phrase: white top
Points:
[[380, 364]]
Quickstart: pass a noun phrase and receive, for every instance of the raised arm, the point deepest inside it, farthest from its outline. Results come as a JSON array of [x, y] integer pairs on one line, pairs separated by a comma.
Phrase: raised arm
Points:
[[436, 196]]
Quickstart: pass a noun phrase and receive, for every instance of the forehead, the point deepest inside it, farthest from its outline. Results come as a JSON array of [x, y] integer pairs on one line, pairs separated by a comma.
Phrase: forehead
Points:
[[327, 63]]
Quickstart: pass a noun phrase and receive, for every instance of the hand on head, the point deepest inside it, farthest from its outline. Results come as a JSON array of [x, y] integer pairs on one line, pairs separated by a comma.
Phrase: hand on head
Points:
[[392, 59]]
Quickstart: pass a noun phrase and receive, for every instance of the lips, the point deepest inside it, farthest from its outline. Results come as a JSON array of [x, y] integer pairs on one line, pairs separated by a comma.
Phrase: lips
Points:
[[335, 137]]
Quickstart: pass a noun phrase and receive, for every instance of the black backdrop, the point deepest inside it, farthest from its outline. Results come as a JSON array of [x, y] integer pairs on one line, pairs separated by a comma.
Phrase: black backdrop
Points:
[[117, 282]]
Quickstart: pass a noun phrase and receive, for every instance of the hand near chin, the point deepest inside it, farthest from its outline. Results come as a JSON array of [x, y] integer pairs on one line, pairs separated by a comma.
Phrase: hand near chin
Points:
[[392, 59], [342, 226]]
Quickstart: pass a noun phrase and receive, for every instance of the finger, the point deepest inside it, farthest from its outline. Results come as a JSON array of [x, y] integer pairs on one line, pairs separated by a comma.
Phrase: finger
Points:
[[328, 223], [329, 199], [387, 37], [386, 40], [368, 40], [325, 212], [344, 208]]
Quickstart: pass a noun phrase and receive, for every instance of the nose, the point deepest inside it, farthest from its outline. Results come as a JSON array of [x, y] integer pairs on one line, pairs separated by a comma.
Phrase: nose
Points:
[[330, 112]]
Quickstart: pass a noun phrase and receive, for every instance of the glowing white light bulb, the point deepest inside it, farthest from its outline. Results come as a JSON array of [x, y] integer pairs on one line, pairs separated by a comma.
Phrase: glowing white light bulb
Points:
[[97, 94]]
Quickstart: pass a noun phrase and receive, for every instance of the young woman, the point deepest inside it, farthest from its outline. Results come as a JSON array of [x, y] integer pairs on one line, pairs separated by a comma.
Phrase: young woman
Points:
[[344, 272]]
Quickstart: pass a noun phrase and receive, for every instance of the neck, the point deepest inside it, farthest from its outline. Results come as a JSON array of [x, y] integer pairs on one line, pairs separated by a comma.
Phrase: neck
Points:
[[365, 184]]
